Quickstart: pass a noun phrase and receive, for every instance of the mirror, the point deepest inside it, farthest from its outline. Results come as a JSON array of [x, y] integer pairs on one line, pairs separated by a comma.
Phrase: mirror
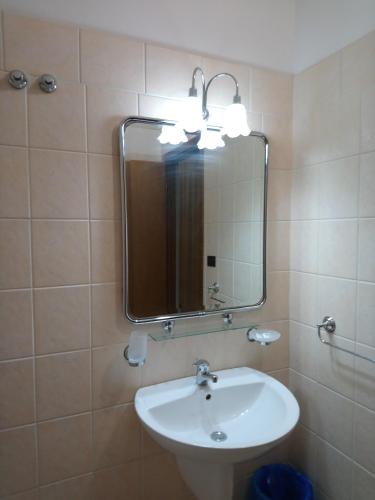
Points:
[[194, 223]]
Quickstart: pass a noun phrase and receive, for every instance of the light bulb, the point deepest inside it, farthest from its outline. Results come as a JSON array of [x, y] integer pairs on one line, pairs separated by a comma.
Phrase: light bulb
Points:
[[192, 119], [172, 134], [235, 121], [210, 139]]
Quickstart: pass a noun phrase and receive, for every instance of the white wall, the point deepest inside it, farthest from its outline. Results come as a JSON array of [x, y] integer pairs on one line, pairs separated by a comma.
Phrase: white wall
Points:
[[252, 31], [326, 26]]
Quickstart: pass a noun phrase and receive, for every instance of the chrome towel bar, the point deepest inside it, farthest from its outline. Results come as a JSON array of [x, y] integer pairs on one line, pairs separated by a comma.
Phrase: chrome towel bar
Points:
[[329, 325]]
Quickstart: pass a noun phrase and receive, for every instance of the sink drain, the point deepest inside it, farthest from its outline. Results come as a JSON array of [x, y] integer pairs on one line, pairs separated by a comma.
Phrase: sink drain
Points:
[[218, 436]]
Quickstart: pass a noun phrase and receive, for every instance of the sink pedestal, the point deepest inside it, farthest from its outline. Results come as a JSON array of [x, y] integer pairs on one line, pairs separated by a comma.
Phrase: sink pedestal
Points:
[[208, 481]]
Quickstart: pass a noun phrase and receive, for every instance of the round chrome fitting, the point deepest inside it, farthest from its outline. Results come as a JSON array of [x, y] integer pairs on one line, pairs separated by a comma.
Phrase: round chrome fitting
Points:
[[18, 79], [48, 83]]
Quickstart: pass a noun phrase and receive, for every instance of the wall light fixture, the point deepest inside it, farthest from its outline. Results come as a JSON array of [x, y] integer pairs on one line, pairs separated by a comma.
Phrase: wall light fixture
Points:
[[195, 115]]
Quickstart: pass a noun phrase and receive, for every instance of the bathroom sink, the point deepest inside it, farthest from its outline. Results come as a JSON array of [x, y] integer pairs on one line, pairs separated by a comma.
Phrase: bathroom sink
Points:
[[239, 417]]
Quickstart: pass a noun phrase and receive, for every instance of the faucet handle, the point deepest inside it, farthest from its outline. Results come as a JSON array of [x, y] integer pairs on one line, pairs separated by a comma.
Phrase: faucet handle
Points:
[[202, 365]]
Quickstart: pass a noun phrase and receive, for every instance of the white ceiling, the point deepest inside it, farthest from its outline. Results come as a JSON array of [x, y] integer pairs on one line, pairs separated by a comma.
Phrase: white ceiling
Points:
[[286, 35]]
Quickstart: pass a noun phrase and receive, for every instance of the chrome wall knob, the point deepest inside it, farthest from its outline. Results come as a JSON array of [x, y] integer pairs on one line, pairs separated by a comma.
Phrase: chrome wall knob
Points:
[[48, 83], [18, 79]]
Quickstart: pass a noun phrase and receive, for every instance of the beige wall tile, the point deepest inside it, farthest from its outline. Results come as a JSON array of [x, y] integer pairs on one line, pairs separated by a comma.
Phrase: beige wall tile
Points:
[[60, 252], [305, 193], [15, 254], [63, 382], [368, 119], [271, 92], [80, 488], [363, 483], [180, 65], [366, 266], [59, 185], [14, 182], [62, 319], [17, 460], [117, 437], [108, 323], [304, 298], [338, 189], [367, 185], [16, 393], [105, 189], [365, 377], [106, 254], [57, 120], [364, 437], [333, 238], [65, 448], [114, 381], [278, 129], [106, 108], [114, 60], [334, 478], [304, 246], [303, 346], [337, 297], [123, 482], [366, 313], [304, 390], [41, 46], [277, 356], [26, 495], [160, 107], [279, 188], [358, 64], [303, 450], [12, 114], [16, 324]]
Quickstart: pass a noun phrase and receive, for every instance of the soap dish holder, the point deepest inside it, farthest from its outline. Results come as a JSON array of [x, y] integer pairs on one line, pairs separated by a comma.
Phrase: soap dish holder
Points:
[[262, 336]]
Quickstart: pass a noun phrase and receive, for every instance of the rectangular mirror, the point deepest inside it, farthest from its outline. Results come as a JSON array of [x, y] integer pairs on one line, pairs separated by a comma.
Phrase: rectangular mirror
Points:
[[194, 224]]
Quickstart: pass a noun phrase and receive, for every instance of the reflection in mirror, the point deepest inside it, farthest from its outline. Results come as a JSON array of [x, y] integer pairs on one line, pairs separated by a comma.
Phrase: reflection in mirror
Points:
[[194, 224]]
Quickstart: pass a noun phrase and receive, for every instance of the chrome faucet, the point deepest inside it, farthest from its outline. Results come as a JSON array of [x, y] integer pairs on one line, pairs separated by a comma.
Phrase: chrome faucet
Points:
[[203, 372]]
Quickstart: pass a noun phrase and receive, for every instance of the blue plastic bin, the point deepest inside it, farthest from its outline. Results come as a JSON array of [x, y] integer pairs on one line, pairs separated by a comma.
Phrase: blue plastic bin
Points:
[[279, 482]]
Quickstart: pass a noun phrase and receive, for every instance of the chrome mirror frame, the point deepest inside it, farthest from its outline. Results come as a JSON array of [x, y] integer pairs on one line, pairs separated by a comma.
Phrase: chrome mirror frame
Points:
[[125, 286]]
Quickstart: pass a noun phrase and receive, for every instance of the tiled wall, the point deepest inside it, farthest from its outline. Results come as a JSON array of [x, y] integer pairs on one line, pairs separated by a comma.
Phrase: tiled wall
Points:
[[68, 428], [333, 271]]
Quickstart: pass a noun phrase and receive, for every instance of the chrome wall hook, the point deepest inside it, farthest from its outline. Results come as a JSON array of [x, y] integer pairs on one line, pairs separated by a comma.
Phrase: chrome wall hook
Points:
[[48, 83], [18, 79]]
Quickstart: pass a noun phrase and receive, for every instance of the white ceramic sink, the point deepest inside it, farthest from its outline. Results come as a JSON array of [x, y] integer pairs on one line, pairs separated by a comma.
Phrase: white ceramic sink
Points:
[[251, 409]]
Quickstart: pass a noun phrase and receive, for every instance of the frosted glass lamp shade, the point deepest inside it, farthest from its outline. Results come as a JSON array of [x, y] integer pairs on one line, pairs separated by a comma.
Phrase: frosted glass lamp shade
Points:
[[210, 139], [235, 121], [192, 119], [172, 135]]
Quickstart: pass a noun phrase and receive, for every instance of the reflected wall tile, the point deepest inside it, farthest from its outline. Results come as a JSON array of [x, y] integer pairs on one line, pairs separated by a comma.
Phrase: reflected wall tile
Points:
[[14, 182], [65, 448], [17, 460], [13, 123], [15, 324], [26, 40], [16, 393], [57, 120], [15, 254], [100, 56], [60, 253]]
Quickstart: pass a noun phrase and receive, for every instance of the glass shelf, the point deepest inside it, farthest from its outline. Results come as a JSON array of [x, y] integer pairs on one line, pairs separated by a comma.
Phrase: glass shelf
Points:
[[196, 326]]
